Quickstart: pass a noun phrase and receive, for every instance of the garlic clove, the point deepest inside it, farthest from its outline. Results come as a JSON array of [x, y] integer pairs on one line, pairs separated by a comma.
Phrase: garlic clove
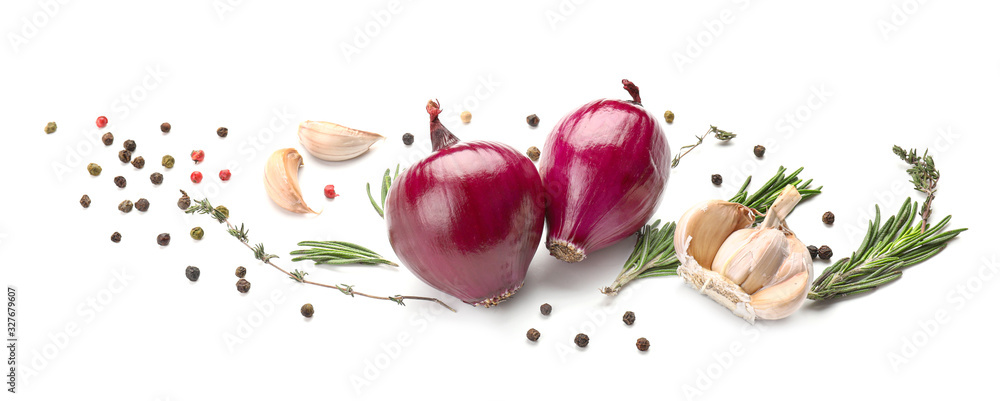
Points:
[[798, 260], [706, 226], [334, 142], [781, 300], [281, 180], [756, 258], [736, 241]]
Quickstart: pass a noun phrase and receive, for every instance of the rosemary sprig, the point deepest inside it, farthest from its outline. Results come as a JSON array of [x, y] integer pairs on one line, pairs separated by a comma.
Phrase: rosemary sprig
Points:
[[924, 176], [719, 134], [889, 248], [338, 253], [884, 252], [654, 254], [204, 207], [386, 183]]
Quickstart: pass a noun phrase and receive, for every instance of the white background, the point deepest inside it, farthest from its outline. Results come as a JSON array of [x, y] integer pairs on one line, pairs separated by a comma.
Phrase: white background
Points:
[[890, 72]]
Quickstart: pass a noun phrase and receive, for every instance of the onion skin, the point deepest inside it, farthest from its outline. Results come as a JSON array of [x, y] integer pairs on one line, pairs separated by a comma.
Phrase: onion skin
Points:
[[604, 168], [467, 219]]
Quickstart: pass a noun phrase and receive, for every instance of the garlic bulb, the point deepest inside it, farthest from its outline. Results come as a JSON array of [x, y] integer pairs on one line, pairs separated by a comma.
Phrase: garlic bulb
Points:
[[281, 180], [335, 142], [760, 272]]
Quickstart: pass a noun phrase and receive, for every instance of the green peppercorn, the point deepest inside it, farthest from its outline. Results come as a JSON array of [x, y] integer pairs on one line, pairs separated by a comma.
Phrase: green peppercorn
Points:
[[668, 116], [168, 161], [197, 233], [94, 169], [307, 310], [223, 210], [50, 127]]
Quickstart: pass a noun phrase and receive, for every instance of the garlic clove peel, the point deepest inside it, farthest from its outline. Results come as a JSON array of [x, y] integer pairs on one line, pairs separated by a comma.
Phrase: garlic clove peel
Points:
[[703, 228], [281, 180], [334, 142]]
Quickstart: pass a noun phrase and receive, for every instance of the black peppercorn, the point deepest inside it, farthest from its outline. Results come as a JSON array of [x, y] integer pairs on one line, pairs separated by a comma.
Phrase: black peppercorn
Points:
[[142, 205], [642, 344], [185, 201], [828, 218], [241, 272], [243, 285], [116, 237], [629, 318], [407, 139], [758, 151], [581, 340], [813, 251], [222, 132], [534, 153], [120, 182], [156, 178], [533, 334], [129, 145], [139, 162], [307, 310], [546, 309], [192, 273], [165, 128], [716, 179], [125, 206], [825, 252], [533, 120], [125, 156], [108, 139], [163, 239], [85, 201]]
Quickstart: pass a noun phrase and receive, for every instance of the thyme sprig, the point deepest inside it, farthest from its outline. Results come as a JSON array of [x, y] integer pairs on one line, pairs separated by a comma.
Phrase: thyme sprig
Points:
[[889, 248], [924, 176], [386, 183], [338, 253], [654, 254], [242, 234], [719, 134]]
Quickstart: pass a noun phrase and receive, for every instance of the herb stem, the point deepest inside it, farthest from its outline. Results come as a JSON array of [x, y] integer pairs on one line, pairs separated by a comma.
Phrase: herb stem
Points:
[[204, 207]]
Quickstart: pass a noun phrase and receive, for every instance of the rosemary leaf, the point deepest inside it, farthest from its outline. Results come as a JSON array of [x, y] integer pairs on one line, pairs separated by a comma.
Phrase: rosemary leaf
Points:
[[387, 178], [338, 253]]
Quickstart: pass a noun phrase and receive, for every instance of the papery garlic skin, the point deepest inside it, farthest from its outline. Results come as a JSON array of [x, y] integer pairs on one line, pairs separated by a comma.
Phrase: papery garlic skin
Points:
[[335, 142], [755, 272], [281, 180]]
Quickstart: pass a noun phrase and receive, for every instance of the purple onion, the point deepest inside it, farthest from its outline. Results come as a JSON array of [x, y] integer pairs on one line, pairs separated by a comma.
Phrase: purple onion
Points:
[[468, 218], [604, 167]]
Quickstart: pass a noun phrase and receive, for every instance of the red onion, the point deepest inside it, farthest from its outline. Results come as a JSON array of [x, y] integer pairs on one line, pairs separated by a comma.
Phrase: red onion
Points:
[[468, 218], [604, 168]]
